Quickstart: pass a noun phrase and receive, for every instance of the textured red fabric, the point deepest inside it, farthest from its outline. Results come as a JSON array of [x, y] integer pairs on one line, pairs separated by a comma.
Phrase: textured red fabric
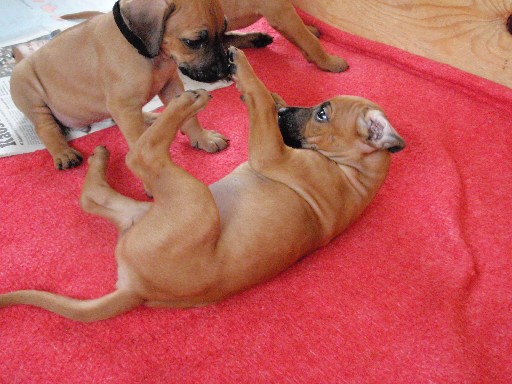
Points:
[[418, 290]]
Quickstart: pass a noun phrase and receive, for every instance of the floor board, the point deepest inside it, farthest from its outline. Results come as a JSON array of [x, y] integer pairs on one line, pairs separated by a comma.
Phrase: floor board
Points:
[[470, 35]]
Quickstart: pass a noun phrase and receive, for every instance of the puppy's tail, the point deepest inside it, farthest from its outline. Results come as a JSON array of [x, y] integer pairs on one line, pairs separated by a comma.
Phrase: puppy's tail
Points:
[[105, 307], [81, 15]]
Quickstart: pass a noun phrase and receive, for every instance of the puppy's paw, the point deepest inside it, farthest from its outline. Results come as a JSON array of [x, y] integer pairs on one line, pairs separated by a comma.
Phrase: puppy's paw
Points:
[[209, 141], [192, 101], [333, 64], [188, 104], [260, 40], [241, 70], [149, 117], [67, 158], [278, 101], [100, 155]]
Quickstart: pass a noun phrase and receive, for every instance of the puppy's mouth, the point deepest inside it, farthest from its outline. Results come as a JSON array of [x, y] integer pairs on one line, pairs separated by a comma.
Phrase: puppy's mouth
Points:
[[218, 71], [290, 121]]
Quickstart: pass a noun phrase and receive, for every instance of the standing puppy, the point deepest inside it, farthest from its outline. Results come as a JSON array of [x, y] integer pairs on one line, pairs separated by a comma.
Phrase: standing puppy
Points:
[[113, 64], [282, 16], [196, 245]]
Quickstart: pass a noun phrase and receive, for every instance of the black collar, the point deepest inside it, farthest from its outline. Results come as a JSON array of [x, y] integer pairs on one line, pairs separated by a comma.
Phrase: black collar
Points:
[[129, 35]]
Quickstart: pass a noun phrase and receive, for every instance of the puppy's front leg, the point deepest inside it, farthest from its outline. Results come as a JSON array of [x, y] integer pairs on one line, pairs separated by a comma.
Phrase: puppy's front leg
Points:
[[266, 145], [129, 119]]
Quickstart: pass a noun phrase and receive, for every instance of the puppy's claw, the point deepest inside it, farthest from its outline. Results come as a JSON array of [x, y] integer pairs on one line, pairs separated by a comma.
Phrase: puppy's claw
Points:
[[68, 159]]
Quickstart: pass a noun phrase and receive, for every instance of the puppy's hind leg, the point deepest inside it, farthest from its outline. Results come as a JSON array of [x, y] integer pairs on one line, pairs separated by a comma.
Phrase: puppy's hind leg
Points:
[[100, 199], [183, 210], [149, 158], [97, 197], [28, 100]]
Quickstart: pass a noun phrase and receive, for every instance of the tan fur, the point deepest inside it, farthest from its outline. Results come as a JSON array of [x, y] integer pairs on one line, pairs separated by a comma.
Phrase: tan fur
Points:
[[282, 16], [194, 244], [91, 72]]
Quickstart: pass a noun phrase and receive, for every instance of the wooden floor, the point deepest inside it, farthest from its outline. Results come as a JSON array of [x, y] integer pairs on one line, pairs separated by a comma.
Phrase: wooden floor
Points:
[[468, 34]]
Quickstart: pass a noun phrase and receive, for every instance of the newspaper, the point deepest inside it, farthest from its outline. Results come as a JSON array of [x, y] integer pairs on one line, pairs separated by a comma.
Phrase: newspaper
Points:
[[17, 134]]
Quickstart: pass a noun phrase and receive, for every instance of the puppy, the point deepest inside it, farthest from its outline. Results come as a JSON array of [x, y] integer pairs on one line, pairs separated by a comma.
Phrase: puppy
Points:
[[196, 245], [281, 16], [113, 64]]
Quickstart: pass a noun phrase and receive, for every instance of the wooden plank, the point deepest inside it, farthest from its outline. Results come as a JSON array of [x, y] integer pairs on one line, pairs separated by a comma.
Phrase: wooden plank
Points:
[[468, 34]]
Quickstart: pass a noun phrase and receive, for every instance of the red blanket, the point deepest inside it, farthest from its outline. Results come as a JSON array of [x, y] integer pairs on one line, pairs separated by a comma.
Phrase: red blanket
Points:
[[418, 290]]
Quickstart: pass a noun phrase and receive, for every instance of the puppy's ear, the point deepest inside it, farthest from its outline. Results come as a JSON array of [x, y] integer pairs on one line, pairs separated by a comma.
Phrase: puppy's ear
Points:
[[146, 19], [379, 132]]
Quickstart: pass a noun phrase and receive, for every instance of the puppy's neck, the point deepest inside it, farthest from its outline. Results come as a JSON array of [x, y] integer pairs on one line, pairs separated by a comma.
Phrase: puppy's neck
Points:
[[364, 171], [131, 37]]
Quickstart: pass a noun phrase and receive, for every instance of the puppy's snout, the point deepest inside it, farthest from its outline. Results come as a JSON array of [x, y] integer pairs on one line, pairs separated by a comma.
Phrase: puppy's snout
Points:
[[221, 66], [290, 121], [221, 70]]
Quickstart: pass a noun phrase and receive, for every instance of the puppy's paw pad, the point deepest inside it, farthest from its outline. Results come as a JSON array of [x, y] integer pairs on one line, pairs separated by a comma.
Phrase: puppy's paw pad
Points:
[[67, 159]]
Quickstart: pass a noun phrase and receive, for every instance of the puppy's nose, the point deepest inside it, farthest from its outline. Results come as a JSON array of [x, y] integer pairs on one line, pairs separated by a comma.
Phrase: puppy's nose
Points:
[[397, 145], [221, 70], [286, 110]]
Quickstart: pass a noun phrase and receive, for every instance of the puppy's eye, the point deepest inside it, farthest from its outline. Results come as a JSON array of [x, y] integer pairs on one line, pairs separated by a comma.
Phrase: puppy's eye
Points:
[[321, 115], [193, 44]]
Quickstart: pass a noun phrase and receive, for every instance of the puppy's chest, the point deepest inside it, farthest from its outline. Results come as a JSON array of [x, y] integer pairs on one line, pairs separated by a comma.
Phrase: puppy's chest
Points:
[[162, 73]]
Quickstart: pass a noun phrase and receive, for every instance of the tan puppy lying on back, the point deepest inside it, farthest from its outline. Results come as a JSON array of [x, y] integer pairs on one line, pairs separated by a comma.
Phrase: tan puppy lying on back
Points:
[[196, 245], [113, 64]]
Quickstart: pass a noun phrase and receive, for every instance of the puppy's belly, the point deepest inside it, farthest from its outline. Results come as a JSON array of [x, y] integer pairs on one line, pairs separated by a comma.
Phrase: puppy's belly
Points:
[[75, 105], [77, 118], [265, 227]]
